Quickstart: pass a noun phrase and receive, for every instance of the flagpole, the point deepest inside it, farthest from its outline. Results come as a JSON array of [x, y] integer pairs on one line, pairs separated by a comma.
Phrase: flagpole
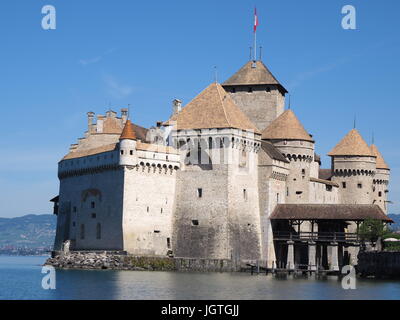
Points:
[[255, 45]]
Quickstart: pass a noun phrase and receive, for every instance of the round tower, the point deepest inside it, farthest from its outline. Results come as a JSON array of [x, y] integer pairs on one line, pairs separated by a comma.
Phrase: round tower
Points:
[[381, 180], [127, 146], [288, 135], [353, 168]]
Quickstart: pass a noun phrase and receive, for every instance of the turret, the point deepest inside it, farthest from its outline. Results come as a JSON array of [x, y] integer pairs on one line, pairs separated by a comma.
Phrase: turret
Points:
[[381, 180], [127, 146], [353, 168], [288, 135], [257, 93]]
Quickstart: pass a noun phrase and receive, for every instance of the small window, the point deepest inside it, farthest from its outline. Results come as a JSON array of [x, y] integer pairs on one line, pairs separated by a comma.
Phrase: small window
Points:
[[93, 205], [244, 194], [299, 192], [380, 193], [74, 209], [93, 216], [161, 210], [166, 157], [148, 209], [82, 231], [287, 192], [74, 224], [157, 231], [277, 198], [328, 187], [195, 222], [344, 185], [199, 192], [122, 152], [359, 186], [98, 231], [268, 89], [169, 243], [250, 90], [131, 152], [303, 171]]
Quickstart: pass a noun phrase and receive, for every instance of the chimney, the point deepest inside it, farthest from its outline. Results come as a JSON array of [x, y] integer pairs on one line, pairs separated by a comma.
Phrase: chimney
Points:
[[177, 106], [124, 115], [90, 121]]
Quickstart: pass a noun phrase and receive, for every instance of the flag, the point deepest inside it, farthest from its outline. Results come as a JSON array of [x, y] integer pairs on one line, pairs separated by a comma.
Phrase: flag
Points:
[[255, 20]]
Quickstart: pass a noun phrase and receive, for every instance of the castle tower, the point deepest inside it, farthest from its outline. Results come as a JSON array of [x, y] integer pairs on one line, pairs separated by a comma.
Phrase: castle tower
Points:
[[257, 93], [381, 180], [353, 168], [217, 212], [127, 146], [288, 135]]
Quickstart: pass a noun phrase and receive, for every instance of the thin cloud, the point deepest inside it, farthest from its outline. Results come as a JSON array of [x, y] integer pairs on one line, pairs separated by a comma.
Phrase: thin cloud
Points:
[[85, 62], [117, 89]]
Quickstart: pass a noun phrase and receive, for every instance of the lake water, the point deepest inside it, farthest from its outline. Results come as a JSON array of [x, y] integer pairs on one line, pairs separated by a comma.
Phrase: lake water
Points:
[[21, 278]]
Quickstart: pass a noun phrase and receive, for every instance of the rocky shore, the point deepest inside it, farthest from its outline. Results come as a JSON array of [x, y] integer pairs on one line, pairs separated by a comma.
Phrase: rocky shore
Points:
[[103, 261], [112, 261]]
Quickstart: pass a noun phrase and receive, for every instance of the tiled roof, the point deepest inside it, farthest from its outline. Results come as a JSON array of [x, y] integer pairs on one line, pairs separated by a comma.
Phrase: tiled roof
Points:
[[128, 132], [286, 127], [212, 108], [90, 152], [273, 152], [253, 73], [354, 212], [380, 161], [352, 145]]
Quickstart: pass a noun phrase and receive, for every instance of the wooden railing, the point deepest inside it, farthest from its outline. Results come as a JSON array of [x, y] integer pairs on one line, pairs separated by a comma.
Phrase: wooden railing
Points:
[[316, 236]]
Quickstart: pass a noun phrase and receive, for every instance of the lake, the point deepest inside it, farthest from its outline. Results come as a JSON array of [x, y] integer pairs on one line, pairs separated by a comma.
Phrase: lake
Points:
[[21, 278]]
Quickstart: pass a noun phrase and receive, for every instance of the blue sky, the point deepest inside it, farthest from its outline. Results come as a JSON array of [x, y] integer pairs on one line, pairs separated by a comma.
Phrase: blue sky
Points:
[[145, 53]]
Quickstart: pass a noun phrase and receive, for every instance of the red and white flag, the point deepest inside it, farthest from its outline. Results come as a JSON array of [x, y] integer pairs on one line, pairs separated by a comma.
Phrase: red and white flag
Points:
[[255, 20]]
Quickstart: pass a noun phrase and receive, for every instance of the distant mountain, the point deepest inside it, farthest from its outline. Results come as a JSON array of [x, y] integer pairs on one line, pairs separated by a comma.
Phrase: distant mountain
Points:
[[27, 232], [396, 218]]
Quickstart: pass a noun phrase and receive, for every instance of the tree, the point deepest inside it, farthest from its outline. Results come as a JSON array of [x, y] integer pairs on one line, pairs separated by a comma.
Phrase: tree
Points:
[[371, 230]]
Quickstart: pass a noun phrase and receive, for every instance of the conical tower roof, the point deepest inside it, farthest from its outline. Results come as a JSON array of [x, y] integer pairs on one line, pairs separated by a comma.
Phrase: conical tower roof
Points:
[[212, 108], [286, 127], [380, 161], [352, 144], [128, 132], [253, 73]]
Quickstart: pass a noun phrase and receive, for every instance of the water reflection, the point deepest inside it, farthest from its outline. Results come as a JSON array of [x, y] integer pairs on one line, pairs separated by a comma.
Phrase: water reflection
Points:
[[21, 279]]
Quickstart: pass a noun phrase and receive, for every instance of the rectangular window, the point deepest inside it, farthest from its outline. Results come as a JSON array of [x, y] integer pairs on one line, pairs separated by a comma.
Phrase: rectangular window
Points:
[[93, 205], [82, 231], [122, 152], [344, 185], [148, 209], [287, 192], [199, 192], [359, 186], [74, 209], [169, 243], [195, 222], [131, 152], [244, 194], [303, 171], [98, 231], [328, 187]]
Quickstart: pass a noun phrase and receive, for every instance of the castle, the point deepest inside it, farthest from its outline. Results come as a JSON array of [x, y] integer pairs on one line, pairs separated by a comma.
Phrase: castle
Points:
[[232, 175]]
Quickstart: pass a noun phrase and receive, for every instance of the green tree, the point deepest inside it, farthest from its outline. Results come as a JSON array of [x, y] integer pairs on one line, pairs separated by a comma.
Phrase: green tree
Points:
[[371, 230]]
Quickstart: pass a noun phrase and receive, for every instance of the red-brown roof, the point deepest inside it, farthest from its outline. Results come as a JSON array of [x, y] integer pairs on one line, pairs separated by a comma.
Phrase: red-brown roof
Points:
[[128, 132], [353, 212]]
